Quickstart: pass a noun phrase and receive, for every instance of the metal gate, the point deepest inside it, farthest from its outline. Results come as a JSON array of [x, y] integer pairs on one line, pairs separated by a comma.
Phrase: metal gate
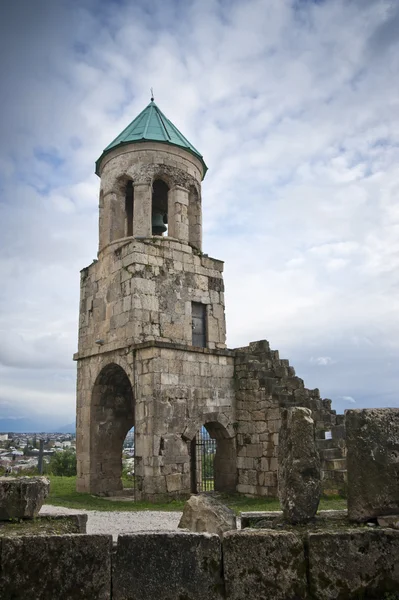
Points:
[[203, 450], [129, 484]]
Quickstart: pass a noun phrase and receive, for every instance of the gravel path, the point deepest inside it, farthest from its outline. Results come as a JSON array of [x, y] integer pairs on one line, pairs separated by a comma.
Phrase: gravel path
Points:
[[120, 522]]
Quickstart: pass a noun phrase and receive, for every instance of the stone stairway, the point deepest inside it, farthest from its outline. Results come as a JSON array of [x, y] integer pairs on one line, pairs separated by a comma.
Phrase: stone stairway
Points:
[[265, 382], [333, 459]]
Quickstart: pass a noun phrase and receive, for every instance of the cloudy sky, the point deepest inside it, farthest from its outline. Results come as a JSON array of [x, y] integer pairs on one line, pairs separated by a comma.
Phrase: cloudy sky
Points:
[[295, 107]]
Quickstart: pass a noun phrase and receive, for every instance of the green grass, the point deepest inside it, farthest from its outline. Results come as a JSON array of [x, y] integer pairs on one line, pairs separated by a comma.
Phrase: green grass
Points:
[[63, 493]]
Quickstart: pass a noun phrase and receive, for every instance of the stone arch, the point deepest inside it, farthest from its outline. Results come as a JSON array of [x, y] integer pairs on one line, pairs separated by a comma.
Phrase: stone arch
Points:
[[158, 173], [211, 417], [112, 416], [224, 463]]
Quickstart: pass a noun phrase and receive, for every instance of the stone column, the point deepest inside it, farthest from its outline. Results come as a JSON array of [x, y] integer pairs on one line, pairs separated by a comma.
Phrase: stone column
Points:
[[83, 425], [112, 219], [195, 219], [299, 486], [142, 210], [178, 213]]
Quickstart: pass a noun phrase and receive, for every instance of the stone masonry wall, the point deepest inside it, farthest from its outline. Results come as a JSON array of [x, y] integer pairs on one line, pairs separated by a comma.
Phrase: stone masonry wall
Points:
[[264, 385], [142, 163], [142, 290], [178, 391], [326, 565]]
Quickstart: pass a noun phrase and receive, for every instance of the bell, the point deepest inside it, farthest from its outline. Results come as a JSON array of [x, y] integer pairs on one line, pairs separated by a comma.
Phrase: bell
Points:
[[158, 225]]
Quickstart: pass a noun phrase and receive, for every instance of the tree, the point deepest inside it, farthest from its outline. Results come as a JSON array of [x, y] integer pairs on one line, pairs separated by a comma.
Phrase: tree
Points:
[[63, 464]]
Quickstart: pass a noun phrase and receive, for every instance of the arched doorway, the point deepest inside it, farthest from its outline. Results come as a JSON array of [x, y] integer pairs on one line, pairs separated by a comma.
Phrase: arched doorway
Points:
[[112, 416], [213, 460]]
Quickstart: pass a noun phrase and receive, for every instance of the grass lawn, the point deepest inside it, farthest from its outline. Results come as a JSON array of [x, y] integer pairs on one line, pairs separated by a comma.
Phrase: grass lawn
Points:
[[63, 493]]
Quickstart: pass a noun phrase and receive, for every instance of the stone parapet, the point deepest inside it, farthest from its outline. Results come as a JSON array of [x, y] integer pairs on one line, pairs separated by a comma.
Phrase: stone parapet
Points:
[[343, 563], [168, 565], [66, 567]]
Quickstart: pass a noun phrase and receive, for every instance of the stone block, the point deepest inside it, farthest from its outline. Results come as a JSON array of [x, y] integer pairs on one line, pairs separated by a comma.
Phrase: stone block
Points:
[[264, 564], [168, 566], [299, 477], [202, 513], [254, 450], [76, 523], [64, 567], [22, 497], [259, 519], [372, 462], [174, 482], [362, 563], [391, 521]]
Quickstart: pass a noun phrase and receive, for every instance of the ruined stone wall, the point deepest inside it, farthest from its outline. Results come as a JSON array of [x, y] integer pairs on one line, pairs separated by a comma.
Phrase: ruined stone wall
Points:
[[142, 290], [264, 385]]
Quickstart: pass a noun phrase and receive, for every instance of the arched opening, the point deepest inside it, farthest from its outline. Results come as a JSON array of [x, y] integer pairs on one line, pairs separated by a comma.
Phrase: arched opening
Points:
[[159, 214], [112, 416], [129, 203], [213, 460]]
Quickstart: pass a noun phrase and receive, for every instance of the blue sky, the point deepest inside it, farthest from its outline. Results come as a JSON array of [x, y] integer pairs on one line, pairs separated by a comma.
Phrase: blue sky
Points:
[[295, 107]]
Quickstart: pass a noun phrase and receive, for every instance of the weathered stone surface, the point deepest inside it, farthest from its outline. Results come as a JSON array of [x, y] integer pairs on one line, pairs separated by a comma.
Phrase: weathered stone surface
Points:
[[258, 518], [273, 519], [389, 521], [45, 524], [167, 566], [353, 564], [263, 565], [373, 462], [205, 514], [22, 497], [61, 567], [299, 485]]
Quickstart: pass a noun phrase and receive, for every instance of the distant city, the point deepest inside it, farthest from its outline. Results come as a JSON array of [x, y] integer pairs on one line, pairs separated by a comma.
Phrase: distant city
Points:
[[20, 451]]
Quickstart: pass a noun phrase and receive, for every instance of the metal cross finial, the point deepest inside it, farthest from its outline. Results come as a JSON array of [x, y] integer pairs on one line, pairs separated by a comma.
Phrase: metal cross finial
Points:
[[152, 95]]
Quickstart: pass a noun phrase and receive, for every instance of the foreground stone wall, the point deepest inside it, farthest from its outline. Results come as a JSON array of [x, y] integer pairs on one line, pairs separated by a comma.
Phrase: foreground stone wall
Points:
[[171, 565]]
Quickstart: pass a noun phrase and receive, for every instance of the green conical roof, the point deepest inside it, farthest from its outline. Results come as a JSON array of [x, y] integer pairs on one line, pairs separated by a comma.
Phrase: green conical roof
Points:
[[151, 125]]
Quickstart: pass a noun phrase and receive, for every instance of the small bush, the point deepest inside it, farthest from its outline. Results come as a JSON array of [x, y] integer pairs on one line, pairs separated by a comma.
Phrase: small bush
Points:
[[62, 464]]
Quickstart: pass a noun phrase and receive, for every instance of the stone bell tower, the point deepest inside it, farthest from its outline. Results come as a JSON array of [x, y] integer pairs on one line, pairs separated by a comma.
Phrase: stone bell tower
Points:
[[151, 350]]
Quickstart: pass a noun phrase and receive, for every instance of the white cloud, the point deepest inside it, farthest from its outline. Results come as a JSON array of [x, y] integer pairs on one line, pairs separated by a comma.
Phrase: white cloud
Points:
[[322, 361], [294, 107], [349, 399]]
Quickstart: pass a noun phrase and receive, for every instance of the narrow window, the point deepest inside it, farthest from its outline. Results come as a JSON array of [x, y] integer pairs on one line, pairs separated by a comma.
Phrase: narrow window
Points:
[[198, 313], [129, 194]]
